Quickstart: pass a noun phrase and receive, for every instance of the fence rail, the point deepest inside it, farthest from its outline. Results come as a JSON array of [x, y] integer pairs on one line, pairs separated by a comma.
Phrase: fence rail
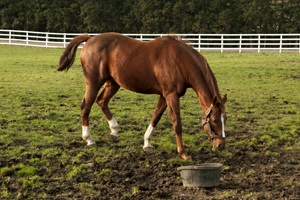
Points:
[[201, 42]]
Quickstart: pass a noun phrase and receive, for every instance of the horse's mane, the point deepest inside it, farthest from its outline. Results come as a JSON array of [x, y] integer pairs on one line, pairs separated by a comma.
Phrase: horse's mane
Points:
[[206, 70], [212, 82]]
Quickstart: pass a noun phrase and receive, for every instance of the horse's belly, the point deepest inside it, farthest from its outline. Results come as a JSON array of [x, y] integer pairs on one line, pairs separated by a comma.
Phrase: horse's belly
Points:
[[138, 82], [142, 90]]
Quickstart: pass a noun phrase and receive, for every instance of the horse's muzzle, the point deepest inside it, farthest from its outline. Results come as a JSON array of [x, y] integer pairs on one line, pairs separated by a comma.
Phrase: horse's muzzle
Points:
[[218, 144]]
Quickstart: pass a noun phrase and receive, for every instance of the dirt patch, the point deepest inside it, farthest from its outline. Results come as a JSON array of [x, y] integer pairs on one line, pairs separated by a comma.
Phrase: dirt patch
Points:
[[248, 174], [296, 76]]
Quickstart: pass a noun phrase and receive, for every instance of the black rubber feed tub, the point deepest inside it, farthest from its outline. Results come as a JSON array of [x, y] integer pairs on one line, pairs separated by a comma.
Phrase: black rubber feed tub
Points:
[[202, 175]]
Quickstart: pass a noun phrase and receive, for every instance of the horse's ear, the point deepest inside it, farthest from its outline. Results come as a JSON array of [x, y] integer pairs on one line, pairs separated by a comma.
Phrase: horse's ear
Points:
[[224, 99], [215, 101]]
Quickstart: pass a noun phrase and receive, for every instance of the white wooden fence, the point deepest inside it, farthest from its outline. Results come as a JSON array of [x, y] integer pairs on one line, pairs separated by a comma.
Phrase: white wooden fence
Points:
[[201, 42]]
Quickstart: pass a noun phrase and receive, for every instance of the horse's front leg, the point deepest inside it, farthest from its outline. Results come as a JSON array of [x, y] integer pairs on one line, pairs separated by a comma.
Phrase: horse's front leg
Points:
[[174, 110], [160, 108]]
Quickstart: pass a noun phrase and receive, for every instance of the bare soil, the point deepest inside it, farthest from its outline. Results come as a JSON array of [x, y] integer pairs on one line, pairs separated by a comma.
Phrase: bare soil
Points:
[[249, 174]]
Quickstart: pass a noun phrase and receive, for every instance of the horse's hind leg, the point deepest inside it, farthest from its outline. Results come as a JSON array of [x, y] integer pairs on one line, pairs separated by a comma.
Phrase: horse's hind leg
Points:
[[91, 92], [109, 90], [160, 108]]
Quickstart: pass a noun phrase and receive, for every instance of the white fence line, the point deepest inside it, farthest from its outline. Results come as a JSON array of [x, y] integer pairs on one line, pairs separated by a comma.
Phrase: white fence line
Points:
[[201, 42]]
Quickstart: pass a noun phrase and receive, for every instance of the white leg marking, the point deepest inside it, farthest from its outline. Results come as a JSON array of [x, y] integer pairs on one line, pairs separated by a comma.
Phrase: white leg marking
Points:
[[113, 125], [223, 126], [87, 136], [147, 137]]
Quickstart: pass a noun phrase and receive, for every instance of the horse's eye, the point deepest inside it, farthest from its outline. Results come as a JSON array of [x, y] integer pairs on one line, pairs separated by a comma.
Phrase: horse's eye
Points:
[[216, 120]]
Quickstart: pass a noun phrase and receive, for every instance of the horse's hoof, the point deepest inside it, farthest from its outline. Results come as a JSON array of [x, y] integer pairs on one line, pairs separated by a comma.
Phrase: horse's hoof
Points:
[[113, 138], [148, 149], [91, 144], [185, 157]]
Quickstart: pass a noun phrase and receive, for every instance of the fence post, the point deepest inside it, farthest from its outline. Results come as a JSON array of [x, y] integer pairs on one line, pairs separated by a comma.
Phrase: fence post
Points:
[[64, 40], [240, 48], [9, 37], [47, 40], [258, 45], [222, 43], [280, 47], [27, 38], [199, 42]]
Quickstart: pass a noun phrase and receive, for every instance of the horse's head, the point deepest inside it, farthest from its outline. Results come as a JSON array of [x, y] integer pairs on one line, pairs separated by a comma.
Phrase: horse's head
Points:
[[214, 120]]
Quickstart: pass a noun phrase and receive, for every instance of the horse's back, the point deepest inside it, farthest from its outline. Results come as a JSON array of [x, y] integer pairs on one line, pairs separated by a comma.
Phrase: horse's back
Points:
[[152, 67], [158, 66]]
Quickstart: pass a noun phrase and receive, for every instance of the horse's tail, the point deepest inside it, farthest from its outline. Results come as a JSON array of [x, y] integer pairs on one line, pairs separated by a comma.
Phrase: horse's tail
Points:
[[68, 57]]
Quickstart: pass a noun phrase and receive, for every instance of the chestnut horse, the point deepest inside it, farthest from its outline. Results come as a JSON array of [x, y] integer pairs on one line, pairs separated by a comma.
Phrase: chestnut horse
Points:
[[165, 66]]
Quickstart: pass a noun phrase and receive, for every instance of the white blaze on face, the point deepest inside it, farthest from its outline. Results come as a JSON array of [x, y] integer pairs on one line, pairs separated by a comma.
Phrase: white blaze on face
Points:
[[223, 126]]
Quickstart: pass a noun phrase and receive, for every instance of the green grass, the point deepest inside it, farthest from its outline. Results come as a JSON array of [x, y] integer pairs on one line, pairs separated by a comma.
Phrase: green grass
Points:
[[40, 128]]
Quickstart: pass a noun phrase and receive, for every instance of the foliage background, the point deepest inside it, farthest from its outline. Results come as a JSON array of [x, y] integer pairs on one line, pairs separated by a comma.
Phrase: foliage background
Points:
[[152, 16]]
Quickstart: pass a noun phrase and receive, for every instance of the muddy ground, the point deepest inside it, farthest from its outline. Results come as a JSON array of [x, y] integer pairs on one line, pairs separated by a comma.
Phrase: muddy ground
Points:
[[248, 174]]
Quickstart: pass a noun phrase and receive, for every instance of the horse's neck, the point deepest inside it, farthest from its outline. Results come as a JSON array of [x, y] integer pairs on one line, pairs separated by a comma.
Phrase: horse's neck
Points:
[[205, 100], [206, 90]]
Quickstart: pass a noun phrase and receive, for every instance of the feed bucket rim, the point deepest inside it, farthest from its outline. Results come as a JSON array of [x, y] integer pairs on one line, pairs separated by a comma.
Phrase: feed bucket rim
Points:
[[201, 166]]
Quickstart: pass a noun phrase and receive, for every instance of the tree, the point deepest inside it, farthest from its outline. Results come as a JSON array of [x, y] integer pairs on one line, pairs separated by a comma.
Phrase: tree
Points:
[[103, 16], [152, 16]]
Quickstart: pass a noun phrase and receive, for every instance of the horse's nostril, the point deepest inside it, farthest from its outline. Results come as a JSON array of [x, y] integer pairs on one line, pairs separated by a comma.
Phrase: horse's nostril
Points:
[[220, 146]]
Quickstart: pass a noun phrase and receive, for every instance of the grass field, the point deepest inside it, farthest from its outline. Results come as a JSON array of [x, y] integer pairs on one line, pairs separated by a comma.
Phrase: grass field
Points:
[[42, 155]]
